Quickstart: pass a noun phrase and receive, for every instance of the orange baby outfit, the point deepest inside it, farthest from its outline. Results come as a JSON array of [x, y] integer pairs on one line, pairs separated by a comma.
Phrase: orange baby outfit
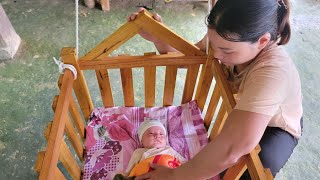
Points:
[[162, 159], [142, 157]]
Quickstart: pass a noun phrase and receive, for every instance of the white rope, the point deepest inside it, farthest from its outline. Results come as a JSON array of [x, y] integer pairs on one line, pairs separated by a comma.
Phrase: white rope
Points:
[[77, 26], [209, 9], [60, 64], [63, 66]]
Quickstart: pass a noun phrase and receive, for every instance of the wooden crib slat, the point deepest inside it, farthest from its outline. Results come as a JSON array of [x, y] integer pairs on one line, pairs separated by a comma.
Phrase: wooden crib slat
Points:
[[127, 86], [69, 162], [39, 161], [71, 133], [65, 156], [105, 87], [114, 41], [74, 139], [58, 175], [204, 83], [76, 116], [190, 83], [150, 86], [236, 171], [268, 173], [176, 59], [55, 138], [150, 83], [38, 165], [255, 166], [212, 107], [73, 109], [169, 85], [227, 94], [79, 86], [220, 120]]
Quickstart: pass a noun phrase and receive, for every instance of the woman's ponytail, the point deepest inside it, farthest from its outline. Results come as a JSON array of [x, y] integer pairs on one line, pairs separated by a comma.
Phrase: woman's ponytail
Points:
[[284, 30]]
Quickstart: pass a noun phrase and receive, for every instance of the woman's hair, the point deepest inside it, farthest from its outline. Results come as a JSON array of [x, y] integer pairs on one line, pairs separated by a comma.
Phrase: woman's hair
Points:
[[248, 20]]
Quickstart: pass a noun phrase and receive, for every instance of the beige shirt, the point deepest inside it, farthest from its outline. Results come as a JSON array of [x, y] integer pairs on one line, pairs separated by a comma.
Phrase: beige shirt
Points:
[[270, 85], [144, 153]]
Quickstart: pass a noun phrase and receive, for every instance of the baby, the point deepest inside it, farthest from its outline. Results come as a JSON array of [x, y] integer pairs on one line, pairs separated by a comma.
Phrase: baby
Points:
[[153, 136]]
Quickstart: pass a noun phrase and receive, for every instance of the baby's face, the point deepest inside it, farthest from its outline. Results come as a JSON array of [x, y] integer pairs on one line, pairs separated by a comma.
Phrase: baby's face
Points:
[[154, 137]]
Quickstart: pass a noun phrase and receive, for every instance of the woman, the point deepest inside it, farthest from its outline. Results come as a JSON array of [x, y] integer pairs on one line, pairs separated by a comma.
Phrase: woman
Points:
[[247, 37]]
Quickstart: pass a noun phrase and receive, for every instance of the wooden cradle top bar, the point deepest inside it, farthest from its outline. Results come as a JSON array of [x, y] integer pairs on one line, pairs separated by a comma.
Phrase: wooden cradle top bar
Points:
[[142, 61], [143, 22]]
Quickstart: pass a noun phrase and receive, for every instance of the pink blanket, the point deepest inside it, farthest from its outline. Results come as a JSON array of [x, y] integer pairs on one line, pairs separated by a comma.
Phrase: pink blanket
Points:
[[112, 135]]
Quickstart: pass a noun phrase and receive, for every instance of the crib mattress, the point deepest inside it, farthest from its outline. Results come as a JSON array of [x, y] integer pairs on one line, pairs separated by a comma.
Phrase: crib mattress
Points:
[[112, 135]]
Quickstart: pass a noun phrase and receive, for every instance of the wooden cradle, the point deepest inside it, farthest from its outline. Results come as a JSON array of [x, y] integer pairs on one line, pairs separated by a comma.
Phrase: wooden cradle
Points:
[[97, 59]]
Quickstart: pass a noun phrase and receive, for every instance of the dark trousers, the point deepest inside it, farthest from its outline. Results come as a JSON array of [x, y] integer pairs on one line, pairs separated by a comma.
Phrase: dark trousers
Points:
[[276, 147]]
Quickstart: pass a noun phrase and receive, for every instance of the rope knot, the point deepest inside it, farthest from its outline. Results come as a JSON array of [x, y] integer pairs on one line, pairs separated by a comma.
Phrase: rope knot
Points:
[[63, 66]]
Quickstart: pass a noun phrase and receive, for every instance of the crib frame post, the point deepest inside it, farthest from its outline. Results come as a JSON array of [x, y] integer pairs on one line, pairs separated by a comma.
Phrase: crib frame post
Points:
[[253, 162], [50, 160], [80, 85]]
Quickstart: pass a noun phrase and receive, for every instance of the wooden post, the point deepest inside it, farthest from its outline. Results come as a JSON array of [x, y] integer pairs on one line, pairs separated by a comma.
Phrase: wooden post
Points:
[[79, 86], [90, 3], [204, 83], [59, 121], [74, 112], [105, 5], [66, 157], [74, 139], [38, 165], [254, 164]]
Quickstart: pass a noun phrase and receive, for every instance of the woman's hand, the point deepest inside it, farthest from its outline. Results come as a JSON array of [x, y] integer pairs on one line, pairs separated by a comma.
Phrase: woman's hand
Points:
[[160, 172], [144, 34]]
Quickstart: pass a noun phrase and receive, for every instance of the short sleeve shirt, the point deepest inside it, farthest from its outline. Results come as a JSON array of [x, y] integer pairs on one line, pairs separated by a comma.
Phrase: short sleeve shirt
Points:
[[270, 85]]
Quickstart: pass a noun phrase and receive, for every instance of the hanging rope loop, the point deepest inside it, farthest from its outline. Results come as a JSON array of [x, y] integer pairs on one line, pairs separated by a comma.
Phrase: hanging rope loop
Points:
[[77, 25], [63, 66]]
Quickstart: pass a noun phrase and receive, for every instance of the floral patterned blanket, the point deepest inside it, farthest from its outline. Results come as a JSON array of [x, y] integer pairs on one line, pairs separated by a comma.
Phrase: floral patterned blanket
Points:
[[111, 135]]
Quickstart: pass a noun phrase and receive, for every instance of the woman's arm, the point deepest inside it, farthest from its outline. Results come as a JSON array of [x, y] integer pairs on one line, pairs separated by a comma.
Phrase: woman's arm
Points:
[[239, 136], [162, 48]]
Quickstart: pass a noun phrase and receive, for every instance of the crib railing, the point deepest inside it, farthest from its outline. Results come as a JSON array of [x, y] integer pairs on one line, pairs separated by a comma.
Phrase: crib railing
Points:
[[67, 120], [60, 149]]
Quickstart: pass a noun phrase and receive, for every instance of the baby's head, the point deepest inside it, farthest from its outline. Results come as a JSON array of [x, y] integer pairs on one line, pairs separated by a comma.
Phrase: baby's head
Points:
[[152, 134]]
